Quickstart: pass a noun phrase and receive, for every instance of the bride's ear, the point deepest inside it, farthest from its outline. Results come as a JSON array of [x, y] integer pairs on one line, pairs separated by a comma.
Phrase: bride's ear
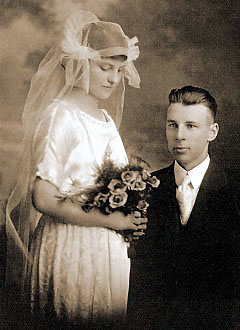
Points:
[[213, 132]]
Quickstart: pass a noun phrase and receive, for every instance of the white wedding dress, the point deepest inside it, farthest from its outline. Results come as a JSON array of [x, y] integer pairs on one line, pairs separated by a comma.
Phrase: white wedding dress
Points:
[[79, 273]]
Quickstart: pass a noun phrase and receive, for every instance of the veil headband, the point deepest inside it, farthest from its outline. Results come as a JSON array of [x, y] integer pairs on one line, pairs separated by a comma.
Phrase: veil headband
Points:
[[109, 39], [104, 35]]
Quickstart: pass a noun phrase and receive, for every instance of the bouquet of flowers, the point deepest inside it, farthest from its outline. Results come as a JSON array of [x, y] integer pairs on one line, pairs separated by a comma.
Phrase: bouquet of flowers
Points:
[[119, 188]]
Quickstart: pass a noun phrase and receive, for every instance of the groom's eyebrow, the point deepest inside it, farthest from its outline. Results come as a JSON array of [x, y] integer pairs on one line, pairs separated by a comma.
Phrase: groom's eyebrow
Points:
[[191, 122]]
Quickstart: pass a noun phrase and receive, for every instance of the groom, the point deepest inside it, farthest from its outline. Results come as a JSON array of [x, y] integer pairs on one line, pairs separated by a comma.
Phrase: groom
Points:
[[191, 250]]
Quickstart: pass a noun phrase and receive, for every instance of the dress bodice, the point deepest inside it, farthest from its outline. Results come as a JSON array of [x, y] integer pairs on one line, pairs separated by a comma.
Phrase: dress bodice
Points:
[[70, 144]]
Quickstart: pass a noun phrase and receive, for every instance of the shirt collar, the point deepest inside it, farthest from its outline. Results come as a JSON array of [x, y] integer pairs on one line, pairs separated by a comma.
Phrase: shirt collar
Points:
[[196, 174]]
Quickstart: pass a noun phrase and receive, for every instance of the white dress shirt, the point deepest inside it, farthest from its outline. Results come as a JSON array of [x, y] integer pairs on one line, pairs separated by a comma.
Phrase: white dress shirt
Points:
[[196, 176]]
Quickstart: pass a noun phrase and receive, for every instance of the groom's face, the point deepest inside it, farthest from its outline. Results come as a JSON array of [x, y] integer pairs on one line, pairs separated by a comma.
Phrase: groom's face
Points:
[[189, 129]]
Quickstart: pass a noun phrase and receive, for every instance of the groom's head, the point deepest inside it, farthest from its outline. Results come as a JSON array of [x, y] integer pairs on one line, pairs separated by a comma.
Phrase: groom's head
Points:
[[191, 95], [190, 124]]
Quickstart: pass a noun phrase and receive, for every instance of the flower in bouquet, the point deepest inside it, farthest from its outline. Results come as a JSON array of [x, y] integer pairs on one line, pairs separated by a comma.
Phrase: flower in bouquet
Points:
[[154, 181], [117, 200], [116, 186], [124, 188], [142, 205], [128, 177], [100, 199], [119, 188]]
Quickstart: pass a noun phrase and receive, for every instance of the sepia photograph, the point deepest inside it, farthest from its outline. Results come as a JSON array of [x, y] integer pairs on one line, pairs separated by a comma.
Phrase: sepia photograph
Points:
[[120, 164]]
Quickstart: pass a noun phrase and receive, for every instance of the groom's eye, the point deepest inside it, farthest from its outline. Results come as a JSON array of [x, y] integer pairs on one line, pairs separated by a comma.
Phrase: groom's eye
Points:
[[174, 125], [191, 126]]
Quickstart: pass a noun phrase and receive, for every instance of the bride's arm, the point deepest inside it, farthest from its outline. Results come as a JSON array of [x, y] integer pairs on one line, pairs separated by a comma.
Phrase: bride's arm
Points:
[[45, 200]]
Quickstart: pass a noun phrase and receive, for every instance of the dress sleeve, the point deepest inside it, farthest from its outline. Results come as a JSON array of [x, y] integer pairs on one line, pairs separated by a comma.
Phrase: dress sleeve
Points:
[[57, 136]]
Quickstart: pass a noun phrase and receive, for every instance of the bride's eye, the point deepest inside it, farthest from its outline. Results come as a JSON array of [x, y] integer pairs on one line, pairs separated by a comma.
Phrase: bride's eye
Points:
[[105, 67]]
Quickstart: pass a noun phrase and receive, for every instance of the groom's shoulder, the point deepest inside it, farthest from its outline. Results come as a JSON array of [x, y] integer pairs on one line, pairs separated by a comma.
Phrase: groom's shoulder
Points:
[[164, 172]]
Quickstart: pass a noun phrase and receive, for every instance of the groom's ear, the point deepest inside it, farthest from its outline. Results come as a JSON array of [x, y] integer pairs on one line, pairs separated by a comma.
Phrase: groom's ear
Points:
[[213, 132]]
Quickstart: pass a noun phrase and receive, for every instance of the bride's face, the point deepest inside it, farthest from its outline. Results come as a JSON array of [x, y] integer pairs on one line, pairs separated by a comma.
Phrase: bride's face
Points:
[[104, 75]]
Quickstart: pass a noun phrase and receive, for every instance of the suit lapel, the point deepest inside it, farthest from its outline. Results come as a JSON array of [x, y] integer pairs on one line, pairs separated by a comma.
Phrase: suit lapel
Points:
[[166, 196], [213, 181]]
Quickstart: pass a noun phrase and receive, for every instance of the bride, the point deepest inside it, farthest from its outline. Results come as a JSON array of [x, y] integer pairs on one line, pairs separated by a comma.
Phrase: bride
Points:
[[76, 268]]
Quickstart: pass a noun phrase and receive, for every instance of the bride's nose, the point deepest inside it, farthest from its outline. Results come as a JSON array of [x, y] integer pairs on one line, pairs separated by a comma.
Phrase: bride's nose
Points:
[[114, 76]]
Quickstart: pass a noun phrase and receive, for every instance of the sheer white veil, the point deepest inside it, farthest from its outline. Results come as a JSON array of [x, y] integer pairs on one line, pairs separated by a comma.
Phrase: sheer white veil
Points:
[[52, 80]]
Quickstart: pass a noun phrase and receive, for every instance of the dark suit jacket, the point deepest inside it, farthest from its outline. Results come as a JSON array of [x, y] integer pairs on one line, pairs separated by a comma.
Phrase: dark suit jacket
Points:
[[192, 270]]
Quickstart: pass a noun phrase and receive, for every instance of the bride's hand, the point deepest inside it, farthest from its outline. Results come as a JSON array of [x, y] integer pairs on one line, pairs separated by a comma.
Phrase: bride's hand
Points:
[[127, 222], [135, 235]]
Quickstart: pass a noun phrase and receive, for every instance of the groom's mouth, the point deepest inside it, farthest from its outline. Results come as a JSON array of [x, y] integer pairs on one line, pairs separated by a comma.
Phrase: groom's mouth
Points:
[[180, 149]]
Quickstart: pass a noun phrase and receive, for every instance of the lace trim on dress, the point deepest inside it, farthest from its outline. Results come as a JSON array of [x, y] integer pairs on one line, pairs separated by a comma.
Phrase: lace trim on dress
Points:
[[106, 124]]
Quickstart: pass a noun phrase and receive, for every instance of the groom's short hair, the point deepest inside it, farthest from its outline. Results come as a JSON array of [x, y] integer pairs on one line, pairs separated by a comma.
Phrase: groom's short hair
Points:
[[190, 95]]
